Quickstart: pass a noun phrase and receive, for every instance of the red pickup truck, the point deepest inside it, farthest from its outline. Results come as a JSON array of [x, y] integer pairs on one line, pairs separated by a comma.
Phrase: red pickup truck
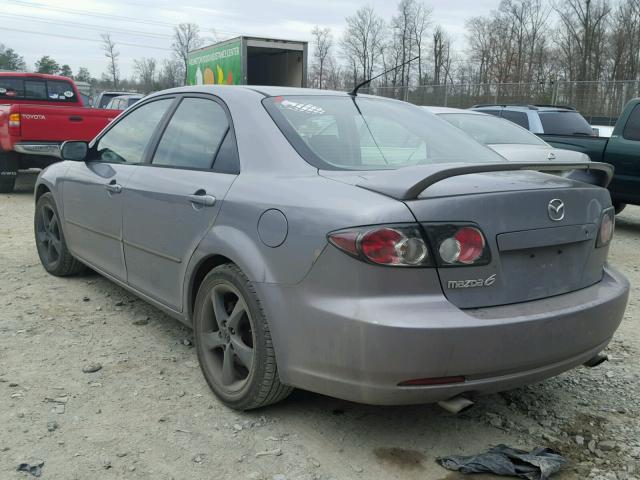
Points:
[[37, 113]]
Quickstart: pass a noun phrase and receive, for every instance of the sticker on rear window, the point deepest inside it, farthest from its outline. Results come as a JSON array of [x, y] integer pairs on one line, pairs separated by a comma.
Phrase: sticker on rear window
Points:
[[3, 90], [11, 94], [54, 96], [68, 94], [301, 107]]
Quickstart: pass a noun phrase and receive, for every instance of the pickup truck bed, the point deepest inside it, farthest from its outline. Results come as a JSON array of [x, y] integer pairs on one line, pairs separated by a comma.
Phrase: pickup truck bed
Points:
[[622, 150]]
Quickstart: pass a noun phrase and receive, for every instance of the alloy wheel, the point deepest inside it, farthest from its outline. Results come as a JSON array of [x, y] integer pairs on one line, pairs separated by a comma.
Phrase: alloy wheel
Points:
[[227, 337], [48, 235]]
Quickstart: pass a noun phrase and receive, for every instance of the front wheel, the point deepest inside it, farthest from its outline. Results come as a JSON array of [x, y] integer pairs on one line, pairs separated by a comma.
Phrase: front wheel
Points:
[[233, 341], [52, 247]]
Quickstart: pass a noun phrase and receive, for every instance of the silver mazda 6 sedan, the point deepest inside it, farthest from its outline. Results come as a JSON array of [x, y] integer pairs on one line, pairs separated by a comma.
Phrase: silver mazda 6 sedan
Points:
[[345, 244]]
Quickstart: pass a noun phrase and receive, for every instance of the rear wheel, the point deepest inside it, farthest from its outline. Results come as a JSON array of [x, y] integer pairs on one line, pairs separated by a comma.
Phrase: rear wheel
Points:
[[52, 248], [619, 207], [233, 341], [8, 171]]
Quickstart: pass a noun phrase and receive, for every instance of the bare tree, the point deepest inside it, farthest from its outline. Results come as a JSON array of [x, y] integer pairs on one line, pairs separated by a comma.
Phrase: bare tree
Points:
[[419, 25], [583, 23], [186, 37], [171, 73], [109, 48], [145, 68], [361, 42], [323, 41], [441, 56]]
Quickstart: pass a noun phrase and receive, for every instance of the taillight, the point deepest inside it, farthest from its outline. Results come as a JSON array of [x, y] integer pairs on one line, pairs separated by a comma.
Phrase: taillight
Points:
[[465, 246], [394, 245], [458, 245], [607, 225], [14, 121]]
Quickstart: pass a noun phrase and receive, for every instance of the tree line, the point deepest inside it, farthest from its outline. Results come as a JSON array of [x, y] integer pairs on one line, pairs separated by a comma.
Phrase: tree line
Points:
[[521, 41]]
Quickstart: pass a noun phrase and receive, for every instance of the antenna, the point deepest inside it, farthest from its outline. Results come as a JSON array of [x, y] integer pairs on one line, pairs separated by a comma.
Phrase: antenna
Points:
[[354, 92]]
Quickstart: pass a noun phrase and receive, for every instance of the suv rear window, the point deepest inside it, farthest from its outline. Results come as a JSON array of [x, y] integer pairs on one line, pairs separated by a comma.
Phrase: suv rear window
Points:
[[363, 133], [565, 122], [36, 89]]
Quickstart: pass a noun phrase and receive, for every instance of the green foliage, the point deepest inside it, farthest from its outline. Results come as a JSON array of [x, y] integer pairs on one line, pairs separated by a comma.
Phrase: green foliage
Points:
[[10, 60], [46, 64]]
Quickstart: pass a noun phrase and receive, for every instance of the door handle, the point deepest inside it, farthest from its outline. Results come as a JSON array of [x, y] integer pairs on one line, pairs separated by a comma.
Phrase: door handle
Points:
[[75, 118], [202, 199], [113, 187]]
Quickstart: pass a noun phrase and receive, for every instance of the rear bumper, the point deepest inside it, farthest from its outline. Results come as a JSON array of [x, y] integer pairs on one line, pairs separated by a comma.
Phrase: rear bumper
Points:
[[50, 149], [359, 348]]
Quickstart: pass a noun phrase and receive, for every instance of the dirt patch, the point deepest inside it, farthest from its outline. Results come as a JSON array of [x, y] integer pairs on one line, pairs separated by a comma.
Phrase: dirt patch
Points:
[[401, 458], [148, 413]]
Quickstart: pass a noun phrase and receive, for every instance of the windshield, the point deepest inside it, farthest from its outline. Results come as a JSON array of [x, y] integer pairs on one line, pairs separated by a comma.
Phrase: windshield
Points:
[[364, 133], [490, 130]]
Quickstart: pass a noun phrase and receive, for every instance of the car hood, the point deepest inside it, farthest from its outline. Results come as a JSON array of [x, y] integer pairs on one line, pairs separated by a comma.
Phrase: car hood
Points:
[[537, 153]]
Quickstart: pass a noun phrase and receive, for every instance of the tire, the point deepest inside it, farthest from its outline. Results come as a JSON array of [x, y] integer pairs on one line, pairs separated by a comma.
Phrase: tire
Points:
[[232, 335], [8, 171], [52, 247], [618, 207]]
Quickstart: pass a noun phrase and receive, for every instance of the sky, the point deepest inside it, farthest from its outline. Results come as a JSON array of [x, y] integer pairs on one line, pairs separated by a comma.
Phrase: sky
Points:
[[70, 31]]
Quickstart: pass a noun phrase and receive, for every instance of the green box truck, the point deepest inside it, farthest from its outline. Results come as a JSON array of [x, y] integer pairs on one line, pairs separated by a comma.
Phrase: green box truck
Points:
[[249, 61]]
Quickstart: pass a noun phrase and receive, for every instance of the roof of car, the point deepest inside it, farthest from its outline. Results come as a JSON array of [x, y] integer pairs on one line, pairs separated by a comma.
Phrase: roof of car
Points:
[[43, 76], [129, 95], [269, 91], [539, 108], [440, 110]]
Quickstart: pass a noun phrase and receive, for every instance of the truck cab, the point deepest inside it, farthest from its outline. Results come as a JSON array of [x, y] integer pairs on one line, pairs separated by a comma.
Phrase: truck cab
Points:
[[37, 113]]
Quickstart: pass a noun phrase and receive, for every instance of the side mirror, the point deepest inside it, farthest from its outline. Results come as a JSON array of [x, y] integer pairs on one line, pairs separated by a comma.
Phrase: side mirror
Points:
[[74, 151]]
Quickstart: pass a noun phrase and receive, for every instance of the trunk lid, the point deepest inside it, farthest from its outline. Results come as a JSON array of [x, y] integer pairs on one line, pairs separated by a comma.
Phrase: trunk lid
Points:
[[537, 153], [532, 255]]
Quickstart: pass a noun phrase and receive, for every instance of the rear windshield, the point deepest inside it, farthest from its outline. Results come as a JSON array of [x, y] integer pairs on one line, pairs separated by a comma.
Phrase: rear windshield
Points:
[[106, 98], [16, 88], [490, 130], [364, 133], [564, 123]]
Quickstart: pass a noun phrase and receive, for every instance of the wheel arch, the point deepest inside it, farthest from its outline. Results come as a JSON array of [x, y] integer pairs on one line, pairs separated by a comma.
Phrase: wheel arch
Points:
[[41, 189], [202, 268]]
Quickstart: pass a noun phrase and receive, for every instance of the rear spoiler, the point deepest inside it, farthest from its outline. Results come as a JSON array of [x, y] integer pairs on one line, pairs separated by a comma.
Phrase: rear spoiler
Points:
[[402, 184]]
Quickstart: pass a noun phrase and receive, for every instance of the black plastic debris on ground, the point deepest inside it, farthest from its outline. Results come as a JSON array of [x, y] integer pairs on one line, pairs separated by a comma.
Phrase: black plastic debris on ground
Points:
[[35, 469], [539, 464]]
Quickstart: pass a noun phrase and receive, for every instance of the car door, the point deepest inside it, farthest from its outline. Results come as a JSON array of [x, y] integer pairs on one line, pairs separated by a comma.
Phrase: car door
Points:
[[623, 151], [92, 190], [173, 201]]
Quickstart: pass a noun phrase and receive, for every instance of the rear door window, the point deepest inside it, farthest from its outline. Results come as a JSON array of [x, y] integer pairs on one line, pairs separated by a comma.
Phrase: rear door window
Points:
[[193, 136], [519, 118], [632, 128], [564, 122]]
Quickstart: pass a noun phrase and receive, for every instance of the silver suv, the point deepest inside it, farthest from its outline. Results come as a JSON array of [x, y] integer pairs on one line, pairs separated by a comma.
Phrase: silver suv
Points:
[[547, 119]]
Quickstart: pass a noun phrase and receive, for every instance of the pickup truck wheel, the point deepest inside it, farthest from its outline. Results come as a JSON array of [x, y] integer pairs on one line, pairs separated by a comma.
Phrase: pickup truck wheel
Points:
[[52, 248], [618, 207], [8, 171], [233, 341]]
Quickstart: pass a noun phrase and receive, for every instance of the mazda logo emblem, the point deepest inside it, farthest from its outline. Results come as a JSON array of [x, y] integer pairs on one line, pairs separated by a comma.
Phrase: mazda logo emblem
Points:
[[556, 209]]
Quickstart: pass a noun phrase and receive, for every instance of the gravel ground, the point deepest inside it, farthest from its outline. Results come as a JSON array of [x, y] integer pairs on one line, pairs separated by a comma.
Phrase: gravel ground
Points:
[[147, 413]]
